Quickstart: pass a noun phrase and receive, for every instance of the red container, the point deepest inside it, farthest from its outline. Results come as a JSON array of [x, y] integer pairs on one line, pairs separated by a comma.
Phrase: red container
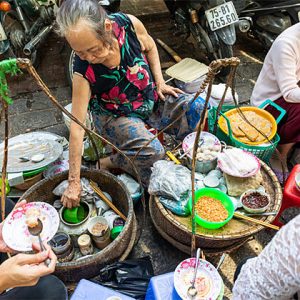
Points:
[[291, 195]]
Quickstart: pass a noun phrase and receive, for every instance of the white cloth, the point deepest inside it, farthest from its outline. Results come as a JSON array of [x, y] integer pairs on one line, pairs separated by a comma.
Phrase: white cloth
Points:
[[281, 70], [275, 273]]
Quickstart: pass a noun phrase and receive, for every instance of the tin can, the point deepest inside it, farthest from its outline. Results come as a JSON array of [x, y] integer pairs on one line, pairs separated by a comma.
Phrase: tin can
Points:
[[99, 230], [62, 246]]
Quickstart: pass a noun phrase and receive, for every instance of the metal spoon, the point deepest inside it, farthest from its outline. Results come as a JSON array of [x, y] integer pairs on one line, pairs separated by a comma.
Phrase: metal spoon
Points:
[[35, 231], [192, 292], [24, 159], [221, 260]]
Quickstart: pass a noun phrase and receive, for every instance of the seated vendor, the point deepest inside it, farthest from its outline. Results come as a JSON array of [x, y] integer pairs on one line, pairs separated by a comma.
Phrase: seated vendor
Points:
[[117, 76], [278, 81]]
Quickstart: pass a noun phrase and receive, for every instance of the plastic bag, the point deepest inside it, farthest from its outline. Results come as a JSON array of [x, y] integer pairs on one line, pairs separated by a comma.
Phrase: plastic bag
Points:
[[169, 180], [130, 183], [89, 153], [130, 277], [177, 207]]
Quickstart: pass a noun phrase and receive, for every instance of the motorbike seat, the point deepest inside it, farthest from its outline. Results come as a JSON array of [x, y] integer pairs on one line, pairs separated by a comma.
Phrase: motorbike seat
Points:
[[270, 3]]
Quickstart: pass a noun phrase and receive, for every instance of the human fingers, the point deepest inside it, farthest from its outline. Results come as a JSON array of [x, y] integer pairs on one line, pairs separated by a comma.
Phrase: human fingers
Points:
[[53, 259], [20, 204], [28, 259], [161, 95], [179, 91], [36, 247], [66, 201]]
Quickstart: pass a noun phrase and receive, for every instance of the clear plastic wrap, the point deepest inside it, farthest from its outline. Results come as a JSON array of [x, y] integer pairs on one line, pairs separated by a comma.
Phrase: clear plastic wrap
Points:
[[169, 180]]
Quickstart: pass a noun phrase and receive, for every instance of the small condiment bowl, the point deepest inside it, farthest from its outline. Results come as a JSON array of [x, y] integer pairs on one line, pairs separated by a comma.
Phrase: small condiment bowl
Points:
[[252, 209], [297, 181]]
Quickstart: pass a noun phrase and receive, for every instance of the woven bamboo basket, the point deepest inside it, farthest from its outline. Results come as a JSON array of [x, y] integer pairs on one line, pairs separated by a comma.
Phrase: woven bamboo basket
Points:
[[119, 249], [178, 230]]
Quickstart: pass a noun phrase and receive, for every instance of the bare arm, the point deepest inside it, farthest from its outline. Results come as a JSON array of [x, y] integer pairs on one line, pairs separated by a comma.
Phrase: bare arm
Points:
[[80, 100], [149, 48], [285, 71]]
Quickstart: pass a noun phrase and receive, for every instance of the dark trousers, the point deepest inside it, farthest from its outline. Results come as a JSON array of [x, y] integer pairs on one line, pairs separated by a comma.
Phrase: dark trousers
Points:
[[48, 288]]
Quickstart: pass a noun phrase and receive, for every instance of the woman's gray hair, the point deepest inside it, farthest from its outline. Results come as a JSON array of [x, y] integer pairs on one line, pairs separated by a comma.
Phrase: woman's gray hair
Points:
[[90, 11]]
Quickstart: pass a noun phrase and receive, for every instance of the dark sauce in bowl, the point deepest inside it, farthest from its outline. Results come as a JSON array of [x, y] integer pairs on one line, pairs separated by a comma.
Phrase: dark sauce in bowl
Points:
[[255, 200]]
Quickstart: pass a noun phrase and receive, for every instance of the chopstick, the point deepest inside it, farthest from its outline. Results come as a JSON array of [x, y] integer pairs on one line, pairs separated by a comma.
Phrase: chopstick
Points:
[[98, 191], [259, 222]]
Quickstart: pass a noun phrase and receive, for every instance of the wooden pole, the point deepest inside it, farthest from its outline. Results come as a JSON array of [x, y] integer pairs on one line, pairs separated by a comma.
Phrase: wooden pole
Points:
[[5, 156]]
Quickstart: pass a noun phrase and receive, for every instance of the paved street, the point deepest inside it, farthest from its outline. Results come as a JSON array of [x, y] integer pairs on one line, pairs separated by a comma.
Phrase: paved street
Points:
[[33, 111]]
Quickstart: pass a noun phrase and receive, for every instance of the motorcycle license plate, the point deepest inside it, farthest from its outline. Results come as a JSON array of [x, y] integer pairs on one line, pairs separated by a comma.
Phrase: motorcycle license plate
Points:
[[221, 16]]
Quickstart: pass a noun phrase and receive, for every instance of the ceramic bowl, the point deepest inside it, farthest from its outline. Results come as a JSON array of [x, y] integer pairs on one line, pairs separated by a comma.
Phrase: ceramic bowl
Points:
[[297, 181], [255, 210], [211, 181]]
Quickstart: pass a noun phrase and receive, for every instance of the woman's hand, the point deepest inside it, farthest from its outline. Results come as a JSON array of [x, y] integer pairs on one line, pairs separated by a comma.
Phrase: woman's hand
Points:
[[26, 269], [3, 246], [164, 89], [71, 196]]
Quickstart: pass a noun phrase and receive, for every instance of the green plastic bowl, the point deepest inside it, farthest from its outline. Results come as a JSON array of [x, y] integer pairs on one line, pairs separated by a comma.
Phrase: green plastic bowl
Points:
[[216, 194]]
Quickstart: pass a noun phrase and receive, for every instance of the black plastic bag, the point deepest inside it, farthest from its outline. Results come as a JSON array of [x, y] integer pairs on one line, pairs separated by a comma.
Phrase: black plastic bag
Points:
[[130, 277]]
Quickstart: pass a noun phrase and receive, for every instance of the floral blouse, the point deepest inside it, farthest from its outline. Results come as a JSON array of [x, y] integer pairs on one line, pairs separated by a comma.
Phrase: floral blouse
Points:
[[127, 90]]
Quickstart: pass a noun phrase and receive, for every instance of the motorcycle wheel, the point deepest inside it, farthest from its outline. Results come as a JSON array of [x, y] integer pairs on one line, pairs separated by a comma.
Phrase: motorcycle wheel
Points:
[[225, 51], [15, 32]]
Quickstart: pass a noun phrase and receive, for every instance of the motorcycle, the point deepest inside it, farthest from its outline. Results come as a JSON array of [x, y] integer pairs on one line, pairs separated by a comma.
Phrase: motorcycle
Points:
[[266, 19], [210, 22], [24, 25], [111, 6]]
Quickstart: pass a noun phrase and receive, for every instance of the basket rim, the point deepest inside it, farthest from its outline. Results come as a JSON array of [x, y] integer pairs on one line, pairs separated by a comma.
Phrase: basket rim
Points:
[[130, 217], [253, 229]]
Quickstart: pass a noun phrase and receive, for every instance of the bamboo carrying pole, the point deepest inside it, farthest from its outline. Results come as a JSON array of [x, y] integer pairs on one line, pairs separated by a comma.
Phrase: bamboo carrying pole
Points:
[[255, 221], [98, 191], [175, 56]]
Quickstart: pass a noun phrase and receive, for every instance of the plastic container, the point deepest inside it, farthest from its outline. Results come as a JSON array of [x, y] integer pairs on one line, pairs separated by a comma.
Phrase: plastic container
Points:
[[76, 215], [264, 151], [85, 244], [110, 216], [216, 194]]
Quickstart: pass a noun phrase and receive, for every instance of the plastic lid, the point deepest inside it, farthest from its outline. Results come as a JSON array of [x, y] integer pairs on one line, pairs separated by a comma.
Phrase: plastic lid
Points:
[[116, 231]]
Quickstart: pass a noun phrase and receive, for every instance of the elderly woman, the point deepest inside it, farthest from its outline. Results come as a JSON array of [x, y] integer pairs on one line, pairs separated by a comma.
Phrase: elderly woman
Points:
[[117, 76], [279, 81]]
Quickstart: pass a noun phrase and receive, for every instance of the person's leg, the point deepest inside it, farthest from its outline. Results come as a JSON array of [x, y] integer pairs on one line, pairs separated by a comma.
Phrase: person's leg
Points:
[[172, 108], [48, 288], [289, 132], [129, 135]]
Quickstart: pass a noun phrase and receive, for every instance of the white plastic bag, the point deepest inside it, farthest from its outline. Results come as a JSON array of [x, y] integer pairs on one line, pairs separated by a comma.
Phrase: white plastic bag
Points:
[[169, 180]]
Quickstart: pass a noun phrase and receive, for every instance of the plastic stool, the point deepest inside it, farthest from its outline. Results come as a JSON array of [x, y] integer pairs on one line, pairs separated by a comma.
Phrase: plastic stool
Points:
[[87, 290], [162, 288], [291, 195]]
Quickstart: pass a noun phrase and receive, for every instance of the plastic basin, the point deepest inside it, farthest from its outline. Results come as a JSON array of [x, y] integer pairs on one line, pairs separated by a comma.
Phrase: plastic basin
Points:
[[216, 194]]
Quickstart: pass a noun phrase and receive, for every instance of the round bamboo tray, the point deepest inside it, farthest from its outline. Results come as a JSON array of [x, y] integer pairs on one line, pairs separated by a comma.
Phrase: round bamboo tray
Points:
[[178, 230], [118, 249]]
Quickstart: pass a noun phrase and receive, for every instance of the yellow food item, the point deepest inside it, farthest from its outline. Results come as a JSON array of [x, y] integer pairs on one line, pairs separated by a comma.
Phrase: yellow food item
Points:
[[244, 131], [211, 209], [32, 215]]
